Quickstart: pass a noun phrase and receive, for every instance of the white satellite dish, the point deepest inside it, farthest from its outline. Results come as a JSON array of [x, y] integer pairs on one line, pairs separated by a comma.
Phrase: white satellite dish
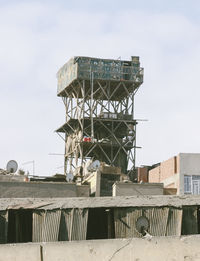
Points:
[[12, 166], [94, 165], [69, 177]]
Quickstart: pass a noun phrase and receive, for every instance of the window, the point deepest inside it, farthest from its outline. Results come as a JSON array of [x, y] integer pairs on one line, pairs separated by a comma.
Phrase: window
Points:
[[192, 184], [187, 184]]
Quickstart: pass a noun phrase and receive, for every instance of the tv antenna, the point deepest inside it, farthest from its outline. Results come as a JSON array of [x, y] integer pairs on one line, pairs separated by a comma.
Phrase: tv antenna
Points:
[[30, 162]]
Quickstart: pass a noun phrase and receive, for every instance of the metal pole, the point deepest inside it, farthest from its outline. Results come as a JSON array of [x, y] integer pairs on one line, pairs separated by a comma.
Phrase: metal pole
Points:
[[91, 109]]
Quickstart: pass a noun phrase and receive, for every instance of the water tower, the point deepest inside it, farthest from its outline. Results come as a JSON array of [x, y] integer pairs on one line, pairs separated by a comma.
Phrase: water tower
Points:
[[98, 95]]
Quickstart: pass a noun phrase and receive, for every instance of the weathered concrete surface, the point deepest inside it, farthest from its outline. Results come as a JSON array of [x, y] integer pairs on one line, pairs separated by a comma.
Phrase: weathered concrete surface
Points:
[[83, 191], [20, 252], [12, 178], [130, 189], [40, 190], [131, 249], [155, 249], [97, 202]]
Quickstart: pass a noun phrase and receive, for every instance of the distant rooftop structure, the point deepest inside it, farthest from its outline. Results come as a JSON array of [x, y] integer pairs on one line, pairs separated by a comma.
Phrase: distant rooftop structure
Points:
[[98, 95], [181, 173], [83, 68]]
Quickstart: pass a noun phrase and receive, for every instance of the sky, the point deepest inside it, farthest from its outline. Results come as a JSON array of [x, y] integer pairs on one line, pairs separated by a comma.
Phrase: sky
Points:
[[38, 37]]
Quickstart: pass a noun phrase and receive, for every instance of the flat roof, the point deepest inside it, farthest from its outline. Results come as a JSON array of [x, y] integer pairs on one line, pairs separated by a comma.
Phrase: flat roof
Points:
[[97, 202]]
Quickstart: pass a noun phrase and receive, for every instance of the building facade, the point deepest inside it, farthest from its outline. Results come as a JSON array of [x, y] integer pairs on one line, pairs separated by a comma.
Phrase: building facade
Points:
[[181, 172]]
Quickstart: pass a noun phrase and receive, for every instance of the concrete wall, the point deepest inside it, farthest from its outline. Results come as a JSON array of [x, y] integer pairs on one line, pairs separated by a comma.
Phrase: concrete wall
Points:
[[12, 177], [130, 189], [189, 165], [41, 189], [83, 190], [20, 252], [132, 249]]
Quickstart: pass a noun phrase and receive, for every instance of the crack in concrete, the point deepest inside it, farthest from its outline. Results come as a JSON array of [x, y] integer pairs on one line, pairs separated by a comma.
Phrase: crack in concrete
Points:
[[119, 249]]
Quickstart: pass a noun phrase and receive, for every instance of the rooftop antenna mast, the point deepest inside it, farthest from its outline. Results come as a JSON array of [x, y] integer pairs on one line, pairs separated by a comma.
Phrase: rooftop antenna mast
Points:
[[33, 165]]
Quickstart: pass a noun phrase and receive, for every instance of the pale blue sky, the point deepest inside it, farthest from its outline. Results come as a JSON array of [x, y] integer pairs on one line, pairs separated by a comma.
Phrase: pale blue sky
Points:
[[38, 37]]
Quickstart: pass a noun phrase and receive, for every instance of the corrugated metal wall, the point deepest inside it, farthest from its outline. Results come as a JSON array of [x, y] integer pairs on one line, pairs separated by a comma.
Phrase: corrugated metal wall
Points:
[[38, 220], [174, 222], [157, 220], [79, 224], [71, 224], [162, 221], [65, 224], [125, 222], [3, 226], [59, 225], [46, 225], [51, 225]]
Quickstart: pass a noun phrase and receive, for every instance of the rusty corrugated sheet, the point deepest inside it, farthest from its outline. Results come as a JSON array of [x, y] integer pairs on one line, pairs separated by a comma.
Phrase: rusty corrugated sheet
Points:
[[3, 226], [174, 222], [125, 222], [51, 225], [157, 220], [190, 220], [79, 224], [65, 224], [38, 220]]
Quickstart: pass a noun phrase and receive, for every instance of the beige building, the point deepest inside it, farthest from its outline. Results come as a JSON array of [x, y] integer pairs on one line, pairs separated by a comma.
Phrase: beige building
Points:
[[181, 172]]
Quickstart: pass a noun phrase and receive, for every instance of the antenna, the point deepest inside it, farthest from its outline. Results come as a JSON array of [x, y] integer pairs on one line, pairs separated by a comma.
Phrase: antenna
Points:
[[30, 162], [12, 166]]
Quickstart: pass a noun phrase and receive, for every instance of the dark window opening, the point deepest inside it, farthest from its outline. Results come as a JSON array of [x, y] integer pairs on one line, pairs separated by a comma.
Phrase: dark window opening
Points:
[[198, 220], [19, 226], [100, 224], [107, 181], [190, 221]]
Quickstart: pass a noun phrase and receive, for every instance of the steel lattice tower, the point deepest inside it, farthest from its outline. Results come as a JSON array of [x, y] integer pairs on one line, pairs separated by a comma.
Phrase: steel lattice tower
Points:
[[98, 95]]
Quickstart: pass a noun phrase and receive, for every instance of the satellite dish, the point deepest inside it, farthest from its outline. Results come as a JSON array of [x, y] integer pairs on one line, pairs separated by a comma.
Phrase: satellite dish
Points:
[[69, 177], [12, 166], [142, 224], [94, 165]]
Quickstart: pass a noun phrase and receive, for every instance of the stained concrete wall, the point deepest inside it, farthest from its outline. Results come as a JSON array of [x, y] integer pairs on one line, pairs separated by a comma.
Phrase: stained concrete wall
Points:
[[132, 249], [130, 189], [12, 178], [20, 252], [41, 189]]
